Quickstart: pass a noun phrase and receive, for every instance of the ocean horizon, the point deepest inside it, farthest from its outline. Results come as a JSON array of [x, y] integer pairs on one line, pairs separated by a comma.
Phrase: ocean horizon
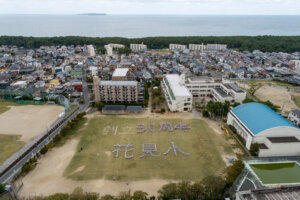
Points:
[[137, 26]]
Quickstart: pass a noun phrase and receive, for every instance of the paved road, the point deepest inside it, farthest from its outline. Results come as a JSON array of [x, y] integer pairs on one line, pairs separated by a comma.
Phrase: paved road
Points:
[[52, 131]]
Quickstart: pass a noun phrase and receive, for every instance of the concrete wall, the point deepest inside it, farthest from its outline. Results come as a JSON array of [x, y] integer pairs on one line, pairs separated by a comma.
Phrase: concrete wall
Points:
[[281, 149]]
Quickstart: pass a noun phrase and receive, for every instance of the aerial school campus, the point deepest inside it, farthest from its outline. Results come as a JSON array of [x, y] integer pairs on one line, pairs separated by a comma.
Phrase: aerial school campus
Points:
[[136, 119]]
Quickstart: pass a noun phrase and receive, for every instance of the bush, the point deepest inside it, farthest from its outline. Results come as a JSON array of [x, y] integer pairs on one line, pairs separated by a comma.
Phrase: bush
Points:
[[50, 145], [248, 100], [99, 105], [234, 171], [2, 188], [44, 150], [162, 110], [205, 113], [233, 129], [57, 138], [58, 196], [107, 197]]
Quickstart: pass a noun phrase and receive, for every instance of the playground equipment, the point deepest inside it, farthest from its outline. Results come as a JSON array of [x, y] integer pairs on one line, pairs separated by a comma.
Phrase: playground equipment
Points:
[[227, 131]]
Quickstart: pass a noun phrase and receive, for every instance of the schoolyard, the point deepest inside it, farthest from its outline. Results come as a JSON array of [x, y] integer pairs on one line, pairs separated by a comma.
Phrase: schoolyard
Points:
[[20, 124], [88, 161]]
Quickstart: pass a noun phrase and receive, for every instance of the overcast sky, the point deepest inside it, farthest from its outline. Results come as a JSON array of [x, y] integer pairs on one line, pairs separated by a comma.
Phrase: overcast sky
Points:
[[199, 7]]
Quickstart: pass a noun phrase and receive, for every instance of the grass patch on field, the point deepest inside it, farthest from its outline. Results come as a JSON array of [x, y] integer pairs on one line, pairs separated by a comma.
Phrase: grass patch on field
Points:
[[98, 138], [9, 144], [296, 100], [268, 83], [5, 106]]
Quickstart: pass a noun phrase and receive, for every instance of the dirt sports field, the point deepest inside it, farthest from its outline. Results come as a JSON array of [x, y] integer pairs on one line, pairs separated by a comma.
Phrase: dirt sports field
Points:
[[88, 160], [280, 94], [20, 124]]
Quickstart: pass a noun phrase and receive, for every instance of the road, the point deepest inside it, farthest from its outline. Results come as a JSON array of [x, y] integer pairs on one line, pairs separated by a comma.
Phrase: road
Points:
[[9, 172]]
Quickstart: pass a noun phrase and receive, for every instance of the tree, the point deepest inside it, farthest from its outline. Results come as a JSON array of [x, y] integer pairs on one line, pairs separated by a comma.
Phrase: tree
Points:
[[248, 100], [99, 105], [196, 191], [271, 105], [205, 113], [184, 190], [57, 196], [232, 75], [139, 195], [168, 191], [124, 196], [2, 188], [233, 171], [254, 149], [107, 197], [213, 187]]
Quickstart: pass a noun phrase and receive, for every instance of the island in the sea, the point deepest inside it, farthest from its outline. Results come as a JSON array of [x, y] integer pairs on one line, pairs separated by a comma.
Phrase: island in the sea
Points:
[[93, 14]]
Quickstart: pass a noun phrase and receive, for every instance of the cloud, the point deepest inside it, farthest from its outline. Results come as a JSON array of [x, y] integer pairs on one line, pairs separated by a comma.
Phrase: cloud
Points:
[[151, 6]]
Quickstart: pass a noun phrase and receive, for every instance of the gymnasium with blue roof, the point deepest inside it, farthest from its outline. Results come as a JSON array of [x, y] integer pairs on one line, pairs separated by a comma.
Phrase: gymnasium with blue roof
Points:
[[257, 123]]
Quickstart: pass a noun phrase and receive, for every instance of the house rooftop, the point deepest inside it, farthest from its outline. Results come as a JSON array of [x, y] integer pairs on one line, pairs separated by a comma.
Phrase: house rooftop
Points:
[[120, 72]]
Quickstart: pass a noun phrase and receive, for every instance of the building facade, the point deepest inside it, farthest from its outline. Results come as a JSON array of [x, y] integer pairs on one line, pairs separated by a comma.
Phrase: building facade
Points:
[[196, 47], [138, 47], [216, 47], [177, 47], [294, 117], [218, 89], [176, 94], [118, 91]]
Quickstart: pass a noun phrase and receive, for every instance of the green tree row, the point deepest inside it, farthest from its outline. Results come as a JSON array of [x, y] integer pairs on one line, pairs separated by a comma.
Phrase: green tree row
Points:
[[265, 43]]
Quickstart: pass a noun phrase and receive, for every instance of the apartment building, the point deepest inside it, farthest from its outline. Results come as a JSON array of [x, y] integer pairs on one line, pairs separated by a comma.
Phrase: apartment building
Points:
[[219, 90], [138, 47], [196, 47], [216, 47], [111, 47], [178, 47], [177, 95], [118, 91]]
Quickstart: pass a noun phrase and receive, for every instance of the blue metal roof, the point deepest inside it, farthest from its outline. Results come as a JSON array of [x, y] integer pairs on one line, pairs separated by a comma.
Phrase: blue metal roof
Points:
[[259, 117]]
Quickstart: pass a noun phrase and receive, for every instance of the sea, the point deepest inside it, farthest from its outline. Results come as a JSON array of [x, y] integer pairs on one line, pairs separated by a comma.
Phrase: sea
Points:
[[136, 26]]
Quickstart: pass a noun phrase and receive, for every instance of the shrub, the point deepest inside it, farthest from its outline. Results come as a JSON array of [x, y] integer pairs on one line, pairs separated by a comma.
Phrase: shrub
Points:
[[205, 113], [57, 138], [58, 196], [2, 188], [233, 129], [44, 150], [234, 171]]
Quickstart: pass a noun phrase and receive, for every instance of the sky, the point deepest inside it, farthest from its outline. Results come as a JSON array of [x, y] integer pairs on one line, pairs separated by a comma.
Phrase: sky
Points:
[[178, 7]]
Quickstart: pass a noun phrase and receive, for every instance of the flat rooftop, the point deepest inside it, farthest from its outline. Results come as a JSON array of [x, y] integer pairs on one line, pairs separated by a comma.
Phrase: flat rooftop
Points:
[[233, 87], [176, 87], [221, 92], [201, 79], [120, 72]]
